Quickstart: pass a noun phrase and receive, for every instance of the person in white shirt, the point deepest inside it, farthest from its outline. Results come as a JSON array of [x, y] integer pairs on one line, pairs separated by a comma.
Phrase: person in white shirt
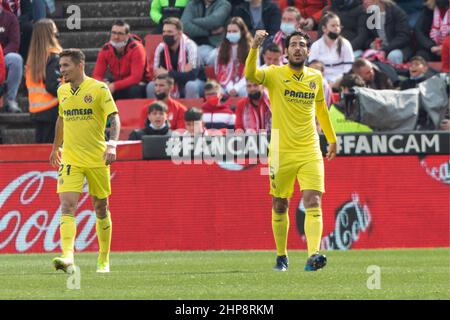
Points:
[[332, 49]]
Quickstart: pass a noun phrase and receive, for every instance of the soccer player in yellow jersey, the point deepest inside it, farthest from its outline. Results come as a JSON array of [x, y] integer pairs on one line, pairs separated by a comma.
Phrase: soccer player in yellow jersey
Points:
[[85, 104], [296, 98]]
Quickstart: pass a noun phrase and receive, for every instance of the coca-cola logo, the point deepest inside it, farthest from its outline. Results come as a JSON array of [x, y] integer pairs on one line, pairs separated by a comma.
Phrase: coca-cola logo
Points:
[[351, 219], [439, 171], [27, 220]]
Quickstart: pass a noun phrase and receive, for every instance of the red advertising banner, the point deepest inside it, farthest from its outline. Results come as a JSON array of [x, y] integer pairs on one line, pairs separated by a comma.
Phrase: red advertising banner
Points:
[[371, 202]]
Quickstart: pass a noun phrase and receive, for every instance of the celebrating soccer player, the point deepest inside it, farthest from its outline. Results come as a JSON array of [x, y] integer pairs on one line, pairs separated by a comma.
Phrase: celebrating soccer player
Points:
[[296, 97], [84, 106]]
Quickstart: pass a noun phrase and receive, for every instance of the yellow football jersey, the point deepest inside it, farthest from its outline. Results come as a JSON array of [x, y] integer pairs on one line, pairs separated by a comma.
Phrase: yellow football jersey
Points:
[[296, 97], [85, 112]]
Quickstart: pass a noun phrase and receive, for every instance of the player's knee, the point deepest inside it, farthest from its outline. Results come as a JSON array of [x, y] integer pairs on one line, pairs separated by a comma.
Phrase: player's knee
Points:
[[68, 207], [279, 205], [101, 210], [312, 201]]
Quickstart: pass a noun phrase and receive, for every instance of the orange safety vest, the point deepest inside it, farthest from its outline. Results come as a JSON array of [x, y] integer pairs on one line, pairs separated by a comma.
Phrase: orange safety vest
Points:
[[38, 98]]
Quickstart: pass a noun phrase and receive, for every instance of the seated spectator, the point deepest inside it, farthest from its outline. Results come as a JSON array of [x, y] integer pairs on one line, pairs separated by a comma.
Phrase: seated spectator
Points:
[[318, 65], [43, 79], [162, 9], [353, 18], [432, 28], [394, 36], [445, 58], [259, 14], [412, 8], [230, 61], [156, 123], [193, 118], [10, 42], [290, 22], [332, 49], [125, 58], [177, 55], [40, 8], [373, 77], [23, 10], [311, 11], [272, 55], [253, 112], [163, 86], [216, 114], [337, 110], [204, 22], [418, 72]]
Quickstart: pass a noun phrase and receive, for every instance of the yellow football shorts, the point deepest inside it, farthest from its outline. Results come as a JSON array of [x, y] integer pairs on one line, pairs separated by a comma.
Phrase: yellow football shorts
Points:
[[71, 179], [309, 173]]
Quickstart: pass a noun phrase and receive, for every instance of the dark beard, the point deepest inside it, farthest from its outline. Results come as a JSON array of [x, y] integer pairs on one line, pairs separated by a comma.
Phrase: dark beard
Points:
[[297, 64]]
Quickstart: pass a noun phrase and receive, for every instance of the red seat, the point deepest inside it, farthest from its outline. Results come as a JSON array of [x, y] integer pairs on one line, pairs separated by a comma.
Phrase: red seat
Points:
[[151, 42], [437, 65], [130, 115], [210, 73]]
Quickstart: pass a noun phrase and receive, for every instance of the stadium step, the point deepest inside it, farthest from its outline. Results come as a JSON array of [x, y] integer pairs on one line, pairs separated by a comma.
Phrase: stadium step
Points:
[[99, 9], [104, 24]]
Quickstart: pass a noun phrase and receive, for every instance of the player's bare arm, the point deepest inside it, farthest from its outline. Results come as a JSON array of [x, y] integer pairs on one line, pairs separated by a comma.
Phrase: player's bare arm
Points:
[[110, 153], [260, 36], [55, 155], [331, 151]]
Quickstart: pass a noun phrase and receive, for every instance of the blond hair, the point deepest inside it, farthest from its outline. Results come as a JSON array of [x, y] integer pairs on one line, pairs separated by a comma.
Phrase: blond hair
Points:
[[43, 43]]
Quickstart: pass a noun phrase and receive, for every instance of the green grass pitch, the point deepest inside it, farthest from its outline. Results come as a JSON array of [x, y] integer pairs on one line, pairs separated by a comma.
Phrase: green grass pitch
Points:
[[220, 275]]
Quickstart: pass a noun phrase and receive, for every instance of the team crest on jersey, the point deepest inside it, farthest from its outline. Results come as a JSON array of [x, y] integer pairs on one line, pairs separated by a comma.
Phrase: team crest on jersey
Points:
[[88, 98], [312, 85]]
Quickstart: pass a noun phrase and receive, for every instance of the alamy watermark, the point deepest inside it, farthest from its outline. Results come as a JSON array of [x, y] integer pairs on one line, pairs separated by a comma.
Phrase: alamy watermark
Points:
[[73, 22], [374, 280], [374, 20], [74, 280]]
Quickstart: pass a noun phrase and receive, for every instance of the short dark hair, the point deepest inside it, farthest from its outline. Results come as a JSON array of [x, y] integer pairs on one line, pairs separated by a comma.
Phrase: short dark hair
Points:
[[122, 23], [167, 77], [193, 114], [76, 55], [298, 33], [211, 84], [322, 65], [175, 21], [157, 106], [359, 63], [272, 47], [419, 59], [350, 80]]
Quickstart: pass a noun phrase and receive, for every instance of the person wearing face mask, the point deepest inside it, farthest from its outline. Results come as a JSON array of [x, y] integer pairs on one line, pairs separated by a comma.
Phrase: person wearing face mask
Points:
[[432, 28], [230, 61], [332, 49], [253, 112], [124, 56], [259, 14], [163, 85], [353, 19], [311, 11], [216, 114], [290, 22], [156, 123]]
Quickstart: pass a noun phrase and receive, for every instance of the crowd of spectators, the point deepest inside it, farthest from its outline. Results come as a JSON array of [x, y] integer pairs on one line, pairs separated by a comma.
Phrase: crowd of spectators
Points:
[[378, 44]]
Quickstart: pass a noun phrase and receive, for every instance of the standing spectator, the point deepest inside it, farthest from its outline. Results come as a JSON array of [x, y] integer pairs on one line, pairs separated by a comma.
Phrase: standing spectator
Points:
[[332, 49], [177, 55], [253, 112], [418, 72], [272, 55], [23, 10], [204, 22], [311, 11], [412, 8], [319, 65], [230, 61], [40, 8], [373, 77], [10, 42], [394, 36], [353, 18], [163, 85], [259, 14], [216, 114], [43, 79], [162, 9], [290, 22], [155, 124], [432, 28], [124, 56]]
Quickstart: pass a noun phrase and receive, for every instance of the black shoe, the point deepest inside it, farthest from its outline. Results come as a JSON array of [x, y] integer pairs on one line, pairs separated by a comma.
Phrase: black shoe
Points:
[[282, 263], [316, 262], [12, 107]]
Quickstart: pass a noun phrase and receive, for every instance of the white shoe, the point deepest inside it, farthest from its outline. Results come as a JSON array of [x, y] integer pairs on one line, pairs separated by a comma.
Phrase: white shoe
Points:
[[64, 264], [102, 267]]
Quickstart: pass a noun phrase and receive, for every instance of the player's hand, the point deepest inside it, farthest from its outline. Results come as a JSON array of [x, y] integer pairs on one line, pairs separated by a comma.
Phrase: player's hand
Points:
[[55, 158], [111, 87], [307, 24], [110, 155], [331, 151], [260, 35]]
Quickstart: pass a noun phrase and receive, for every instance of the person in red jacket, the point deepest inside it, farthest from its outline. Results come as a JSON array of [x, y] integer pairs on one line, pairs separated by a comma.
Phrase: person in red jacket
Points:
[[125, 57], [2, 69], [311, 11], [163, 85], [445, 55]]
